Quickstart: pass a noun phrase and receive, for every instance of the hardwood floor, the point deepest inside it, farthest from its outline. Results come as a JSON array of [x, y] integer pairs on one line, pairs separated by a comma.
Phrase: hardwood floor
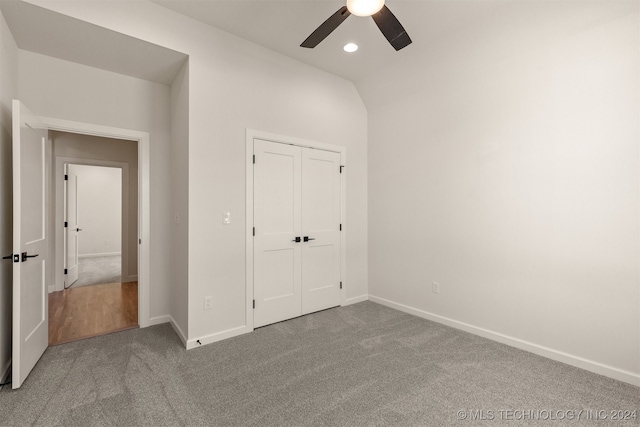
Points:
[[90, 311]]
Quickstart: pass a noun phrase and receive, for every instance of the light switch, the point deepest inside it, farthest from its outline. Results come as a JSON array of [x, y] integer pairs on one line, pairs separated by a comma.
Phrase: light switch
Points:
[[226, 218]]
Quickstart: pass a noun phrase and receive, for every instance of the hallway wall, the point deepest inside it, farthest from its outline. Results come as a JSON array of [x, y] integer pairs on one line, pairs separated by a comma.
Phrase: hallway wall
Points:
[[99, 203]]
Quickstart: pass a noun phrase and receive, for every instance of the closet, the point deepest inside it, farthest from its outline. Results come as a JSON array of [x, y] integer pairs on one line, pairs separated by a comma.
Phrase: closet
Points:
[[297, 231]]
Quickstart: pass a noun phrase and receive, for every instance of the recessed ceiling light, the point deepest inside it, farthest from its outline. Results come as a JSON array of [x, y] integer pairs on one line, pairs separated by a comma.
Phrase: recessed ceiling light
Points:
[[350, 47]]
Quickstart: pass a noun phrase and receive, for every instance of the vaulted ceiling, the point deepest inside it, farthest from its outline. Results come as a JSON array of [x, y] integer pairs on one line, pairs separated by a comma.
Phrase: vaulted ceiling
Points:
[[440, 30], [281, 25]]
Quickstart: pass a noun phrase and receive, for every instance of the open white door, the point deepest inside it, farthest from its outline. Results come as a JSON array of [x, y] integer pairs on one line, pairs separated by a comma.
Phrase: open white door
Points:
[[71, 227], [30, 299]]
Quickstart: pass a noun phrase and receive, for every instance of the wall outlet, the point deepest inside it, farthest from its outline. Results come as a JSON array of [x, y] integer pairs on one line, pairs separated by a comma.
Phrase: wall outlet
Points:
[[226, 218], [435, 287], [208, 303], [106, 242]]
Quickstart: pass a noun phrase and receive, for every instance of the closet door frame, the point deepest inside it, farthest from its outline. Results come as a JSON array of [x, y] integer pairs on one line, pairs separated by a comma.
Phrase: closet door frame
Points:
[[252, 134]]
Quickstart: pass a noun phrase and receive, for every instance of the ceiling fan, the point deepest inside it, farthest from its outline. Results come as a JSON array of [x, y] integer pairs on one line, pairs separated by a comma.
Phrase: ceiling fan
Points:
[[386, 21]]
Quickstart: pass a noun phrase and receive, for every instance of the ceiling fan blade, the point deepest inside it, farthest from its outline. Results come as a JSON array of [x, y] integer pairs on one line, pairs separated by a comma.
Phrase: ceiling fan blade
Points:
[[391, 28], [326, 28]]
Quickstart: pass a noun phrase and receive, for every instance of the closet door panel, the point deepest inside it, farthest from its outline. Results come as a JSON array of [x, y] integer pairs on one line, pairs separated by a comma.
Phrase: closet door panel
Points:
[[277, 213], [321, 228]]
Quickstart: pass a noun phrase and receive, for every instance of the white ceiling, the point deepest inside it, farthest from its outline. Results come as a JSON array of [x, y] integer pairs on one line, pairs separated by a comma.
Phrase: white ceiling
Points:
[[42, 31], [281, 25]]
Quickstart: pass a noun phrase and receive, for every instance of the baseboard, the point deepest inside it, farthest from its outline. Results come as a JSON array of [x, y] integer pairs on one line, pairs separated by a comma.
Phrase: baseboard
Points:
[[355, 300], [549, 353], [99, 255], [218, 336], [128, 279], [159, 320]]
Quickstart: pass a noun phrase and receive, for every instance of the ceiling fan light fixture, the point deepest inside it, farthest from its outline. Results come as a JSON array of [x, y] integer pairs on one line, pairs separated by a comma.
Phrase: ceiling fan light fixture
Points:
[[364, 7]]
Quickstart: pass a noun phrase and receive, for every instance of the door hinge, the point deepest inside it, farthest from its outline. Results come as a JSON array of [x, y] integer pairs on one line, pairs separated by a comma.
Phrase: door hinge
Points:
[[340, 227], [66, 224], [66, 177], [341, 166], [340, 285], [254, 159], [254, 231], [139, 241], [254, 303], [65, 271]]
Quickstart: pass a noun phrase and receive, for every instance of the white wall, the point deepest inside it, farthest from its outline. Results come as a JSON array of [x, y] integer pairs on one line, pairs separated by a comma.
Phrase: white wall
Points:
[[99, 209], [507, 169], [180, 200], [65, 90], [8, 91], [234, 85]]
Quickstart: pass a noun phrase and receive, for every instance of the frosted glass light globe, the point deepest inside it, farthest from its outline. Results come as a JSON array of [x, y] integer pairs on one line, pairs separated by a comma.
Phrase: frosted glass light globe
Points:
[[364, 7]]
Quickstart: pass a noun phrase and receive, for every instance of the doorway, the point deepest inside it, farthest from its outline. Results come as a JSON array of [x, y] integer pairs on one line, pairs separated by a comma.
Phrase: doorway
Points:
[[96, 249], [93, 225]]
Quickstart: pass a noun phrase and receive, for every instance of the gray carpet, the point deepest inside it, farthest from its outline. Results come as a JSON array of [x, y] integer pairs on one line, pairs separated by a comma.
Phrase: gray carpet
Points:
[[98, 270], [361, 365]]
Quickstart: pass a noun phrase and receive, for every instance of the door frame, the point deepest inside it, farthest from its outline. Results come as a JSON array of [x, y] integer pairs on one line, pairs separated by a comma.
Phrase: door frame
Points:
[[252, 134], [60, 197], [144, 204]]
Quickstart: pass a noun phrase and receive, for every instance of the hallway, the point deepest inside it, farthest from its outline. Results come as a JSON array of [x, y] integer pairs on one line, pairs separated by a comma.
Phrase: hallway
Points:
[[89, 311]]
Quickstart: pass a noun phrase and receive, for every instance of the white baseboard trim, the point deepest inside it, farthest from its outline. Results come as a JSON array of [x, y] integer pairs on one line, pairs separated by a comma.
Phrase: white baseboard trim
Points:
[[133, 278], [218, 336], [355, 300], [167, 318], [549, 353], [159, 320], [99, 255]]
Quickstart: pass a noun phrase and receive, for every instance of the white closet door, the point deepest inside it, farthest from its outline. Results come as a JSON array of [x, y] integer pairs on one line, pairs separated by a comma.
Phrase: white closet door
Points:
[[321, 226], [277, 263]]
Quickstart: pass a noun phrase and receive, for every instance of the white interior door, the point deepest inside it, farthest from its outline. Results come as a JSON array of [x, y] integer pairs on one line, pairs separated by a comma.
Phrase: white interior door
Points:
[[71, 227], [320, 230], [30, 302], [277, 268]]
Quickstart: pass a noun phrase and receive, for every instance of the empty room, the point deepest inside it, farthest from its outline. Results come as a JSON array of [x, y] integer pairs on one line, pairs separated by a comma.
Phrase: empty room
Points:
[[400, 212]]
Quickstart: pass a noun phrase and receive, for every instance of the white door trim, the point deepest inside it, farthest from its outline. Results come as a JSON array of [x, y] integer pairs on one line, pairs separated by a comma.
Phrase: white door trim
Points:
[[252, 134], [144, 205]]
